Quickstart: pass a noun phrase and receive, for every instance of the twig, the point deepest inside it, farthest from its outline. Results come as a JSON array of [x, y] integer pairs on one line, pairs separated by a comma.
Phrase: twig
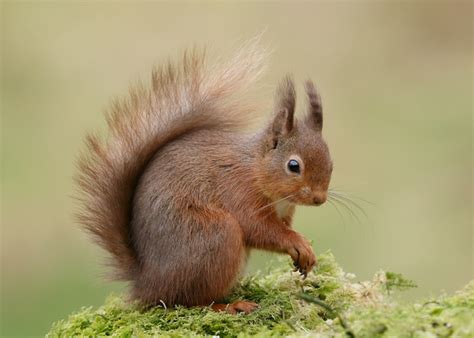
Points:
[[329, 309]]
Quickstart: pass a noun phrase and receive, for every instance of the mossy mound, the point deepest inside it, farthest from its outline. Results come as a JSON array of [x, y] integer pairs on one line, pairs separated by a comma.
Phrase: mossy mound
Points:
[[328, 303]]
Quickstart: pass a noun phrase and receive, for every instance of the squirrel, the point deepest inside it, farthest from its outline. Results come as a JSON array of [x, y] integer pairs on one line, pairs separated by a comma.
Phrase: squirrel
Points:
[[179, 193]]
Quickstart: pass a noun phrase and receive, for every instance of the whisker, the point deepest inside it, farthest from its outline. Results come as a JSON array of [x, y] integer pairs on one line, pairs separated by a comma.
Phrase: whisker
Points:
[[337, 209], [346, 207], [350, 195], [349, 201]]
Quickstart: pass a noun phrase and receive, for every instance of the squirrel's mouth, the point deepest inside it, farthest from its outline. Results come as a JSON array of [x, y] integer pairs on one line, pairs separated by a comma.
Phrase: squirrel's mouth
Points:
[[308, 202], [315, 204]]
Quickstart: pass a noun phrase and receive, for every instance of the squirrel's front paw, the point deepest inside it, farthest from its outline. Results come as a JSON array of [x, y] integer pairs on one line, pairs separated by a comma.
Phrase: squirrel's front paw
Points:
[[303, 256]]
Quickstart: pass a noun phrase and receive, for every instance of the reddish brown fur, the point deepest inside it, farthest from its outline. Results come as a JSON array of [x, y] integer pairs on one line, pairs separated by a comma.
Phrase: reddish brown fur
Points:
[[178, 195]]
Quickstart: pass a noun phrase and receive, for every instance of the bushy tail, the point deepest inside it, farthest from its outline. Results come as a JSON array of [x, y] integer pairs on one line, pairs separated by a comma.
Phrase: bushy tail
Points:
[[183, 97]]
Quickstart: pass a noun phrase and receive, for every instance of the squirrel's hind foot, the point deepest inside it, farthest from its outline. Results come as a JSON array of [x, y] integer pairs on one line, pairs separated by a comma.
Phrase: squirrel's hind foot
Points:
[[236, 307]]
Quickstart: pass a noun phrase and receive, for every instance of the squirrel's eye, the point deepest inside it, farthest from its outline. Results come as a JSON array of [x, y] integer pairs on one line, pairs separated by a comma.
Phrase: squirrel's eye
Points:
[[294, 166]]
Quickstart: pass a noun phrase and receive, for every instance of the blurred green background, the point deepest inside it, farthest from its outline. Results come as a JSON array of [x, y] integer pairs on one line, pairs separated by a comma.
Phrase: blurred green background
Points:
[[396, 80]]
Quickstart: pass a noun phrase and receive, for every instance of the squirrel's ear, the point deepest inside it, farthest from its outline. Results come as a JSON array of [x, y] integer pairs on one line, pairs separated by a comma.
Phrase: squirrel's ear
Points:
[[315, 108], [283, 120]]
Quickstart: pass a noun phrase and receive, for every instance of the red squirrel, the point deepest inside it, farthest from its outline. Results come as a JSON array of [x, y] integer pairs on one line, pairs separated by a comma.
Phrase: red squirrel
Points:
[[178, 193]]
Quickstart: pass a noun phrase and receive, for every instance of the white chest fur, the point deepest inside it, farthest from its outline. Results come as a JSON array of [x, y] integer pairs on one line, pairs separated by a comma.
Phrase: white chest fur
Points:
[[282, 208]]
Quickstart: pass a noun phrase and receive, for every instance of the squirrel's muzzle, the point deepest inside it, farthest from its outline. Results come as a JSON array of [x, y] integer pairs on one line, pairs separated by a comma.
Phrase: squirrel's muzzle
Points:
[[319, 198]]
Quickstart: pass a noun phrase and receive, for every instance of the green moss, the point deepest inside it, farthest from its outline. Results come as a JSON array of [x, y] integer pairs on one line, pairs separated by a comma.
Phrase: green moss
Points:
[[328, 303]]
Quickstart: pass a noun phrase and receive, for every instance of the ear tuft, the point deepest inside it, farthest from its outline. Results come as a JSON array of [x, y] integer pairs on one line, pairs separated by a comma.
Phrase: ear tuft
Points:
[[315, 108], [285, 101]]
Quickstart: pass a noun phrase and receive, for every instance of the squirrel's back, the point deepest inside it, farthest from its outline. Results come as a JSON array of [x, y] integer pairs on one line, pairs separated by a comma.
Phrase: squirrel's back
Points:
[[190, 166], [182, 98]]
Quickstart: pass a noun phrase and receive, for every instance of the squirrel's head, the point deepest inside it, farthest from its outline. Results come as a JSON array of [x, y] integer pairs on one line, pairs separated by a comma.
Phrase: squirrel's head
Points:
[[296, 164]]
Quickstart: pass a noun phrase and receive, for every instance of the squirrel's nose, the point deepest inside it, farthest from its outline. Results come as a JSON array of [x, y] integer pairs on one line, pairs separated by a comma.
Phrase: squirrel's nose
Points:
[[319, 198]]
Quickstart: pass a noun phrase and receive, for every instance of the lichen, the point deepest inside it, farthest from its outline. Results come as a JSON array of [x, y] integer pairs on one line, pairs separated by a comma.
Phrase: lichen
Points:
[[328, 303]]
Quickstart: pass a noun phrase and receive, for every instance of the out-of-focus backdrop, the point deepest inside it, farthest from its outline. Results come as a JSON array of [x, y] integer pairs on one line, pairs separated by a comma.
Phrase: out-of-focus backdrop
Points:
[[396, 80]]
